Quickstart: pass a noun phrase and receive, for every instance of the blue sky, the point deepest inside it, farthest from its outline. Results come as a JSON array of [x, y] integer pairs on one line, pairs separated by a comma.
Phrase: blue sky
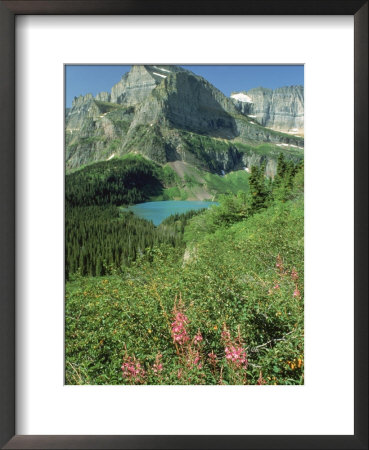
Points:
[[81, 80]]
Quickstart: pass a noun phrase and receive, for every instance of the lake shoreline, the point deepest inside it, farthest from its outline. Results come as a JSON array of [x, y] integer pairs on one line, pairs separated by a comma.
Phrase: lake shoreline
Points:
[[157, 211]]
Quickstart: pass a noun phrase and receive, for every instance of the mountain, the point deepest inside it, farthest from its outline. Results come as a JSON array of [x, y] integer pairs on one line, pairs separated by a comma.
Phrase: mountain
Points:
[[170, 115], [280, 109], [138, 83]]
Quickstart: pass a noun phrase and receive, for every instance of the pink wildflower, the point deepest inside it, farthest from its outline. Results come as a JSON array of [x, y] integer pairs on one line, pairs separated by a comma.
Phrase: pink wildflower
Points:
[[234, 351], [296, 293], [236, 355], [294, 274], [198, 337], [212, 359], [179, 332], [196, 361], [276, 286], [212, 356], [132, 370], [158, 366], [279, 263], [193, 358]]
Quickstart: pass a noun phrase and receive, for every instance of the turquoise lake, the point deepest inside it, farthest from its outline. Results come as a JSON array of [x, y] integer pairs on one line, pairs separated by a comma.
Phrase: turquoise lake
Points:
[[158, 211]]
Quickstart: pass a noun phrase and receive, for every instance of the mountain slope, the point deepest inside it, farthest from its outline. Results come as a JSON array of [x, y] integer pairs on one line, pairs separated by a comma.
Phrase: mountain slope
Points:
[[134, 179], [169, 114], [280, 109], [248, 276]]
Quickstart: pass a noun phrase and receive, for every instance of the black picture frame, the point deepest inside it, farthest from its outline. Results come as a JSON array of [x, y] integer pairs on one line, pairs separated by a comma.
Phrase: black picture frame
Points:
[[8, 11]]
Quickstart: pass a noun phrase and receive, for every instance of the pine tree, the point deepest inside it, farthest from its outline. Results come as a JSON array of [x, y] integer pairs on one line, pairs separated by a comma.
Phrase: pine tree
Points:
[[258, 189], [283, 180]]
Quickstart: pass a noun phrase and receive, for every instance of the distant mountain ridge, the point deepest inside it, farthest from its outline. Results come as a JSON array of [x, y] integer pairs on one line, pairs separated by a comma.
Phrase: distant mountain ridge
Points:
[[169, 114], [280, 109]]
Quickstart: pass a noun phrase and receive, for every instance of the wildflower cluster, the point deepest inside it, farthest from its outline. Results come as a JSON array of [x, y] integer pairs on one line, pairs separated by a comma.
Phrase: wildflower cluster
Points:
[[132, 371], [194, 365], [296, 363], [193, 358], [189, 350], [234, 350], [295, 277], [198, 338], [279, 264], [212, 359], [158, 366], [193, 351], [178, 326]]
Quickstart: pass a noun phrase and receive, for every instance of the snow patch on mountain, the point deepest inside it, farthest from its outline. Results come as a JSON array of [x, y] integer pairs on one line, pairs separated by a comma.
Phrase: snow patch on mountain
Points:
[[159, 75], [242, 97], [163, 70]]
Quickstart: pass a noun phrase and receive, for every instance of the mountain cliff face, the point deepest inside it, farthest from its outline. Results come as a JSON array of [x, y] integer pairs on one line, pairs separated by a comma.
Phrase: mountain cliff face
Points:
[[137, 84], [280, 109], [170, 114]]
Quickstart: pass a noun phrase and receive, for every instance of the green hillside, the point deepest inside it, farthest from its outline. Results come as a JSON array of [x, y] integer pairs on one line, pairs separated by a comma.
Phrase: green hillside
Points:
[[100, 238], [227, 309]]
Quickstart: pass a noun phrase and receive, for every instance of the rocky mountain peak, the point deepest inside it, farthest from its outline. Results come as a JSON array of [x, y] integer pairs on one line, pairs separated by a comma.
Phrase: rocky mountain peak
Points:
[[137, 84], [168, 114], [280, 109], [81, 99], [187, 101], [103, 96]]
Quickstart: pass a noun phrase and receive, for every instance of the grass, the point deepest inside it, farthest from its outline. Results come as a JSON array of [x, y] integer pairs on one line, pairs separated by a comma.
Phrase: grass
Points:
[[232, 182], [243, 276], [106, 107]]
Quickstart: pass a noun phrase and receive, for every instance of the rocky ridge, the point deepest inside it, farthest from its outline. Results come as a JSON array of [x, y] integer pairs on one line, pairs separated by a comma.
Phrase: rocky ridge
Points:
[[281, 109], [170, 114]]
